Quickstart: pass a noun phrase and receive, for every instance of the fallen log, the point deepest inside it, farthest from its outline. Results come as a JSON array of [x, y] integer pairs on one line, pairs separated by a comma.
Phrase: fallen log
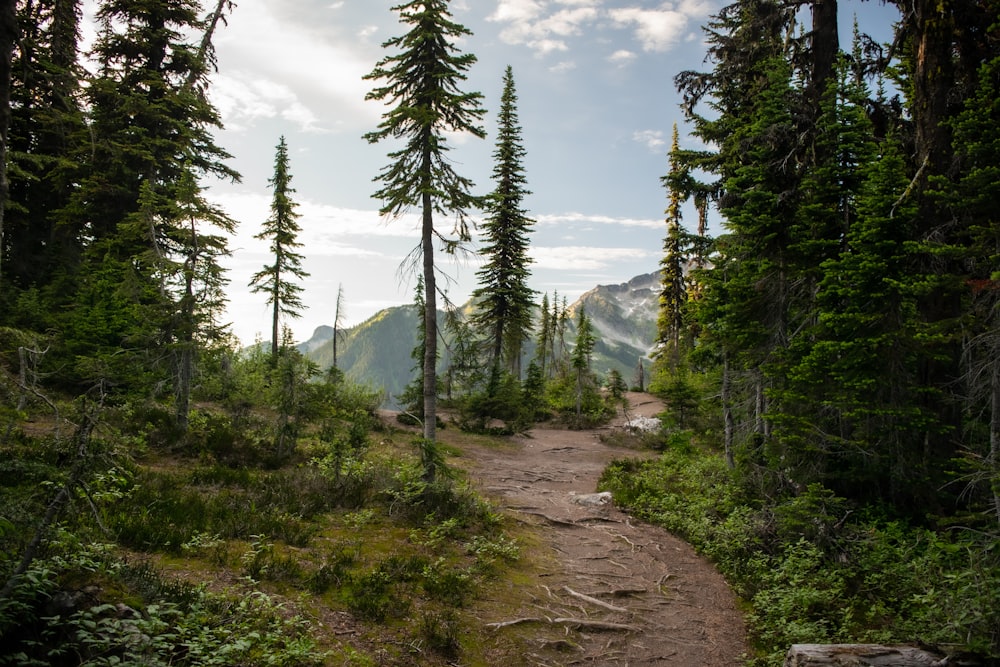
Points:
[[861, 655]]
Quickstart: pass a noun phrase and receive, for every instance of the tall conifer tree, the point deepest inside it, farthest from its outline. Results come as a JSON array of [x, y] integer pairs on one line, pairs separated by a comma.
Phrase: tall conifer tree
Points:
[[151, 124], [673, 265], [977, 202], [8, 37], [422, 83], [544, 338], [504, 302], [46, 129], [581, 357], [281, 230]]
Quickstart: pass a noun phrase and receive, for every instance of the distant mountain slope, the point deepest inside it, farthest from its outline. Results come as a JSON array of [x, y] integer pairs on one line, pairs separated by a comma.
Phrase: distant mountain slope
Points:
[[377, 351], [624, 317]]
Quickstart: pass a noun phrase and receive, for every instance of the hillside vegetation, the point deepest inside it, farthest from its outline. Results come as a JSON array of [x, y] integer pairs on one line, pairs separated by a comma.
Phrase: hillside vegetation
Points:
[[123, 544]]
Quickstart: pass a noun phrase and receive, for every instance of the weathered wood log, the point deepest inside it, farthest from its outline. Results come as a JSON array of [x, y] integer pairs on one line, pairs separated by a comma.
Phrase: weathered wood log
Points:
[[861, 655]]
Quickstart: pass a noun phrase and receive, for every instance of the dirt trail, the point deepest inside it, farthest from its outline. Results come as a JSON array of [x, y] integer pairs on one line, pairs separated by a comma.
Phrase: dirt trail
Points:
[[616, 591]]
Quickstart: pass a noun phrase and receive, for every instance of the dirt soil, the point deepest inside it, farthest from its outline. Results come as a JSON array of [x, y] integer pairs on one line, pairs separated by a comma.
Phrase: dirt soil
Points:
[[613, 590]]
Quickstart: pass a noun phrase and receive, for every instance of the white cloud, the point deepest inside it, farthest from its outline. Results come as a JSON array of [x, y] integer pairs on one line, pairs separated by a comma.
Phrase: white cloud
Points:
[[323, 226], [622, 57], [563, 67], [583, 258], [652, 139], [546, 26], [242, 99], [582, 218], [660, 29], [529, 23], [544, 47], [273, 64], [516, 11]]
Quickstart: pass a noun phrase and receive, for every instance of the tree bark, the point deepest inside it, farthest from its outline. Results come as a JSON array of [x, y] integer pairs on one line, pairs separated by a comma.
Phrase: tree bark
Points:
[[825, 45], [430, 311], [727, 412], [933, 30], [276, 314], [994, 455], [8, 37]]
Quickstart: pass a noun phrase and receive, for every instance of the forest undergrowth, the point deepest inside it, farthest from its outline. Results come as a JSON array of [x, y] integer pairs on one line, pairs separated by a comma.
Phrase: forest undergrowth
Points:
[[816, 568], [214, 552]]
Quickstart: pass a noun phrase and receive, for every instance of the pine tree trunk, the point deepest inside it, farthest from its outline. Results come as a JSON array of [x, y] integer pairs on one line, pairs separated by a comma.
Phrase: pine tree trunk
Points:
[[430, 319], [932, 24], [727, 412], [184, 373], [8, 36], [185, 362], [275, 318], [825, 45], [994, 456], [761, 426]]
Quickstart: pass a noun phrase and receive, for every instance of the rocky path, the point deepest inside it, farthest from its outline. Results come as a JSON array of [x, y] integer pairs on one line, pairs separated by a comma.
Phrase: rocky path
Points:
[[614, 591]]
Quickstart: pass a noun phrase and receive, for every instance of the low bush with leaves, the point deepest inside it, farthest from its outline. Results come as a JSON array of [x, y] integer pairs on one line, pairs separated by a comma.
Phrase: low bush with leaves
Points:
[[815, 569], [45, 623]]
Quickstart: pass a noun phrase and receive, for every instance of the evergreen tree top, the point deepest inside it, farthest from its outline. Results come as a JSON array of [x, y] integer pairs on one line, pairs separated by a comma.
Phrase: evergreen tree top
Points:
[[420, 84]]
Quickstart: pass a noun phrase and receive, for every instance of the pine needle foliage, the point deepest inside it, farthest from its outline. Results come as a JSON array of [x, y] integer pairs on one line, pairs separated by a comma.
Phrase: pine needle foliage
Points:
[[281, 229], [504, 302]]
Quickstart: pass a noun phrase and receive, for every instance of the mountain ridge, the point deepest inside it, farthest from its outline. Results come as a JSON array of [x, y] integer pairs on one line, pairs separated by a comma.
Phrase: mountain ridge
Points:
[[377, 351]]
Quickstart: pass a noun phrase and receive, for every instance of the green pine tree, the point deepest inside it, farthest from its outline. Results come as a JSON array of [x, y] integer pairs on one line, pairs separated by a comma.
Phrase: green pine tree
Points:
[[46, 131], [281, 229], [422, 83], [544, 338], [504, 302], [151, 130], [977, 203], [677, 255], [580, 360], [866, 354]]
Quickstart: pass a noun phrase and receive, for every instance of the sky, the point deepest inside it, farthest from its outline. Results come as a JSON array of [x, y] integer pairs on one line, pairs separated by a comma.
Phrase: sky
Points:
[[596, 104]]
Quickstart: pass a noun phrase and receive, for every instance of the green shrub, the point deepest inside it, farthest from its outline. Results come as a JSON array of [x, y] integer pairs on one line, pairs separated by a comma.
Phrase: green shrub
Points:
[[816, 569], [446, 583], [335, 568], [441, 631], [130, 615], [372, 597]]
